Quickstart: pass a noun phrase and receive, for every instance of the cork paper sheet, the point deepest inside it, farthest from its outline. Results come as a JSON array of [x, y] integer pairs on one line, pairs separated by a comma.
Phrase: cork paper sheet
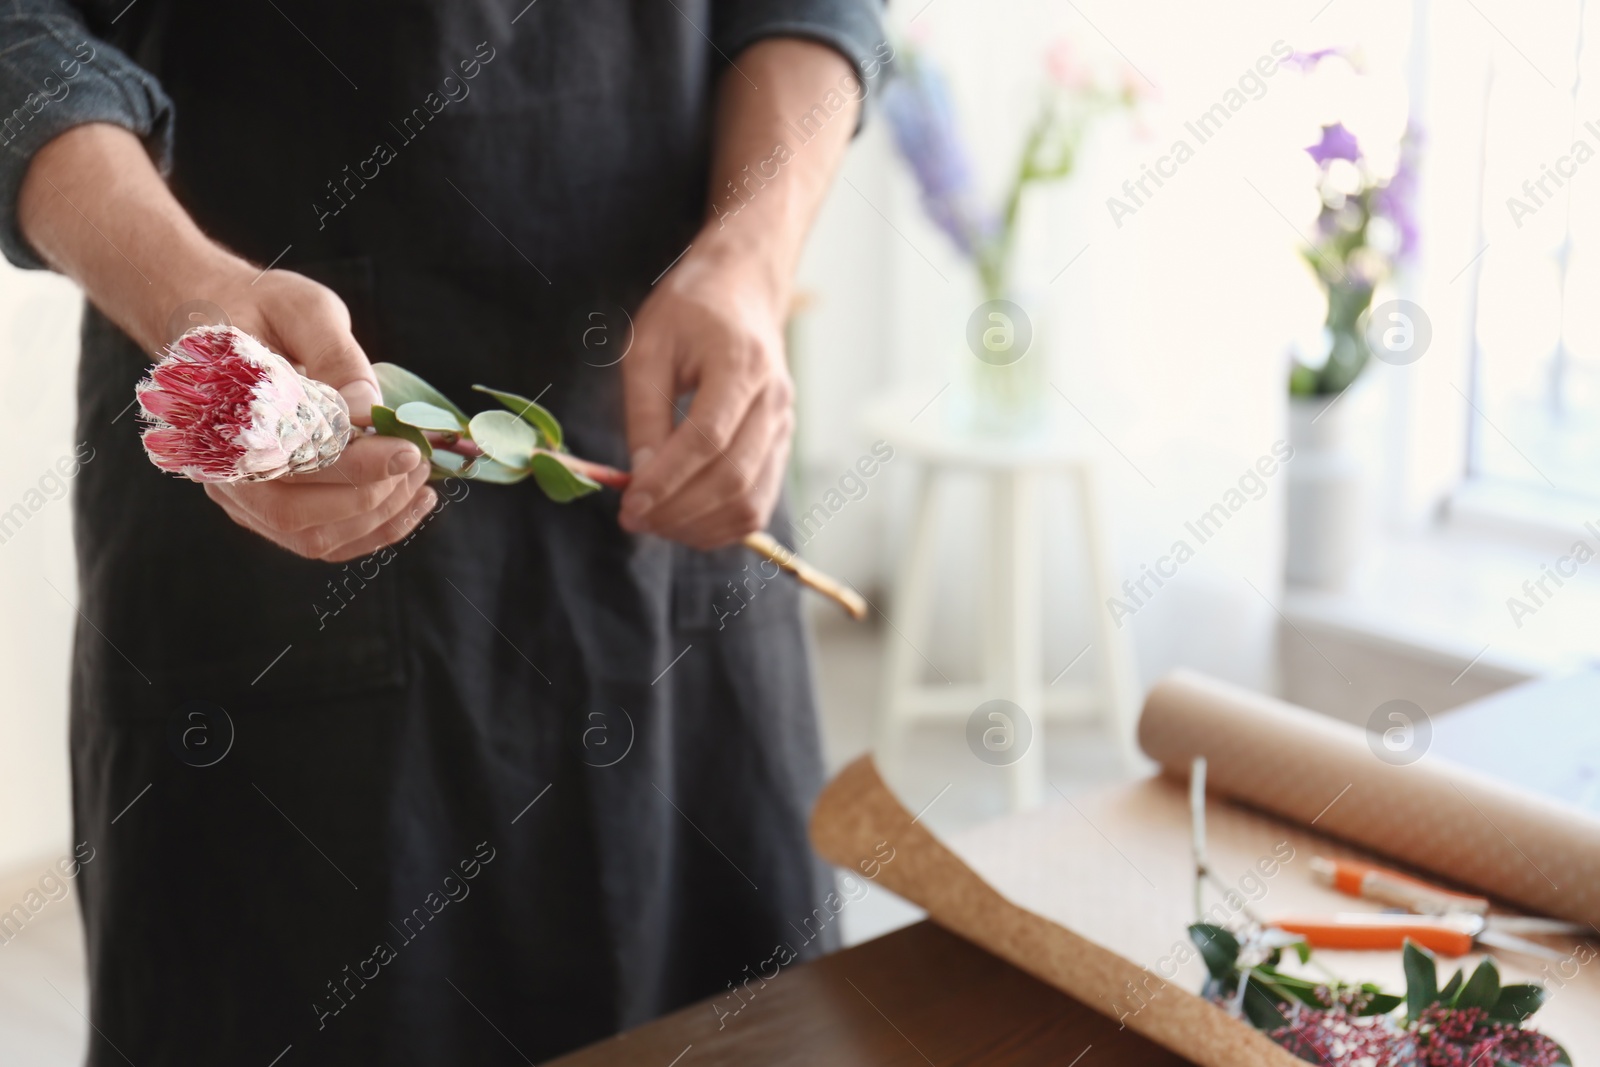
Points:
[[1093, 896]]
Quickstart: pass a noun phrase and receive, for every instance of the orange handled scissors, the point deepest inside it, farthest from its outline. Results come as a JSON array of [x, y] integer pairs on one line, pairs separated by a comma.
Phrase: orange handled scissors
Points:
[[1451, 924], [1448, 935]]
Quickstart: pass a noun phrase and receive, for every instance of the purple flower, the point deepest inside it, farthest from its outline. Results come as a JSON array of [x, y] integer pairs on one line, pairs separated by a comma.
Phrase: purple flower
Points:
[[1337, 143], [1309, 60], [1397, 200], [922, 120]]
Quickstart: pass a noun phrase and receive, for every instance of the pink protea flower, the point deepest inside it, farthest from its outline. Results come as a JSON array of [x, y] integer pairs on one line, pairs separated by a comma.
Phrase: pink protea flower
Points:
[[225, 408]]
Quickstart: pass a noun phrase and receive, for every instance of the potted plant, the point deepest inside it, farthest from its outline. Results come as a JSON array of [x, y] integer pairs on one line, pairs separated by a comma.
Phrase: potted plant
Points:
[[1365, 234]]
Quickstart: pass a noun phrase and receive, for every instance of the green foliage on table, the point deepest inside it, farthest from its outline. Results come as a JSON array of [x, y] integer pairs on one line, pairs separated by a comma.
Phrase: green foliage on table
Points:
[[1266, 996]]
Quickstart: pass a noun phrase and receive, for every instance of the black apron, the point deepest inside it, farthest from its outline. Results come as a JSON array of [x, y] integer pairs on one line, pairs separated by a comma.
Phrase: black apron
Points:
[[525, 779]]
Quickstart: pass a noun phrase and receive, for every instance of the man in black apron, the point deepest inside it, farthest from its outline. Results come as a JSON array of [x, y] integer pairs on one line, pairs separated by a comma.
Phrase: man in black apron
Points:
[[449, 774]]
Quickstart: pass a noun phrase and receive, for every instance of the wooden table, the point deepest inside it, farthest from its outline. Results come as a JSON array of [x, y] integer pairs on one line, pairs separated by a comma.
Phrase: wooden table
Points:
[[917, 996]]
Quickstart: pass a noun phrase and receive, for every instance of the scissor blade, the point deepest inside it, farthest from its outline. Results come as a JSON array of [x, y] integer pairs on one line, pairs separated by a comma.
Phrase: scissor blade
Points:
[[1513, 943], [1534, 924]]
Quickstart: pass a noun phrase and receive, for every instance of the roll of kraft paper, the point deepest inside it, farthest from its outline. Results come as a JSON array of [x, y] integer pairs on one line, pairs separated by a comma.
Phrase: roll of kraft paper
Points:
[[1450, 820]]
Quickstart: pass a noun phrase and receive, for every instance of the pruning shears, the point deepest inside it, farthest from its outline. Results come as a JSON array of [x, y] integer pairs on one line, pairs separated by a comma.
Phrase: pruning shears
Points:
[[1449, 923]]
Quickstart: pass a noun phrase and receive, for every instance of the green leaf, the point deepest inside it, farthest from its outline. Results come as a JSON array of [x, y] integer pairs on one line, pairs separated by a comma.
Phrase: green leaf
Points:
[[1447, 995], [1302, 948], [1261, 1006], [505, 438], [1516, 1002], [560, 482], [1305, 994], [426, 416], [1218, 948], [446, 465], [384, 421], [1422, 979], [1482, 989], [1288, 986], [400, 386], [1274, 975], [484, 469], [1383, 1004], [530, 412]]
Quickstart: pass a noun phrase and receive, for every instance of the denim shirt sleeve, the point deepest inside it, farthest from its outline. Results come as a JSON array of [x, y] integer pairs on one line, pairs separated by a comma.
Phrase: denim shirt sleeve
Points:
[[853, 28], [54, 75]]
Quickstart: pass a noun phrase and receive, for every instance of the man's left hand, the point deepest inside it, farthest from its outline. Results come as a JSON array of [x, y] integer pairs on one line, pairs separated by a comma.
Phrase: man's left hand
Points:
[[708, 474], [714, 326]]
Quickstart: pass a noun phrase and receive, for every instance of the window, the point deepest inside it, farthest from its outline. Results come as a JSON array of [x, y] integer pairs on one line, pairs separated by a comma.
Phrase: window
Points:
[[1535, 378]]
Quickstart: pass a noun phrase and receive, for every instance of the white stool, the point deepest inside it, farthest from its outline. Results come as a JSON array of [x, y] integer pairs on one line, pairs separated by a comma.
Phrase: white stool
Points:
[[1012, 618]]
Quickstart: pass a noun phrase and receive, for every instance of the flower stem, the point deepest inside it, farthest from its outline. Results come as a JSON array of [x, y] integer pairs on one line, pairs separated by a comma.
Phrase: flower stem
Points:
[[762, 544], [449, 442]]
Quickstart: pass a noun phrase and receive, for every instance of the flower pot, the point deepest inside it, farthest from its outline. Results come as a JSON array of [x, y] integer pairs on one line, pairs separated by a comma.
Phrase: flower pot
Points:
[[1325, 494]]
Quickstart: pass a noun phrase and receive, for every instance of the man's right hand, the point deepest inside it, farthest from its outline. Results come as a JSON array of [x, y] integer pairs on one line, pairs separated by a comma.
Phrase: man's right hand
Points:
[[376, 493], [94, 207]]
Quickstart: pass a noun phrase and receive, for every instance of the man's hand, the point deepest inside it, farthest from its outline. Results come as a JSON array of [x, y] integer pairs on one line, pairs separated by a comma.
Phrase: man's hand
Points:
[[714, 326], [377, 492], [714, 477], [94, 208]]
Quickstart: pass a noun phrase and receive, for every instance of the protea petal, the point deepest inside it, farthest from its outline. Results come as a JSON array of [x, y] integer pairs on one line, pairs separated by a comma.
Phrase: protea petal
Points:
[[222, 407]]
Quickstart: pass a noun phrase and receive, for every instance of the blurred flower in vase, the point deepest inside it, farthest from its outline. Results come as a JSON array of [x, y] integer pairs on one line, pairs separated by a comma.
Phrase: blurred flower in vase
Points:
[[922, 120], [1366, 233], [1362, 156]]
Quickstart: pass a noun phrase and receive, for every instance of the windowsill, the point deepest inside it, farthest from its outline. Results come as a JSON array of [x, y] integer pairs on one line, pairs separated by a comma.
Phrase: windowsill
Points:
[[1443, 596], [1526, 515]]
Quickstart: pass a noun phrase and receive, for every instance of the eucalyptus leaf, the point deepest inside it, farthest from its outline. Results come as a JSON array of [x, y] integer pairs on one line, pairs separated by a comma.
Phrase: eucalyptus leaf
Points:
[[1482, 989], [531, 412], [1422, 979], [505, 438], [485, 469], [387, 425], [446, 465], [400, 386], [1516, 1002], [426, 416], [1218, 948], [560, 482]]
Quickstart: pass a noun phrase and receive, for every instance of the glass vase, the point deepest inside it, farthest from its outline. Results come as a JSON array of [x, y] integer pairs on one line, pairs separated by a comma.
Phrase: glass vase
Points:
[[1002, 381]]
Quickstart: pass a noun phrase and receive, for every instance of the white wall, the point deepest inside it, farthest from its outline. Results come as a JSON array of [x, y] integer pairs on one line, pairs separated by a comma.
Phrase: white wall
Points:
[[38, 363]]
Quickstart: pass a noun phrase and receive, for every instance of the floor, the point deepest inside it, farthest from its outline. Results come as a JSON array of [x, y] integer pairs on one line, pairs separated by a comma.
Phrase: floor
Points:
[[936, 762], [42, 988]]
